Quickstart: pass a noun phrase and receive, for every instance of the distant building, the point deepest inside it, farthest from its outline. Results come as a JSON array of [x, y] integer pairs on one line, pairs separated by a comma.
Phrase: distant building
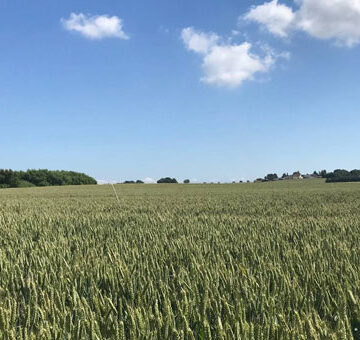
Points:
[[297, 175]]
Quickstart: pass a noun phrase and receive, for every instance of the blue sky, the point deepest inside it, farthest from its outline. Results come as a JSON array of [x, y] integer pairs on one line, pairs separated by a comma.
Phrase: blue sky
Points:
[[206, 90]]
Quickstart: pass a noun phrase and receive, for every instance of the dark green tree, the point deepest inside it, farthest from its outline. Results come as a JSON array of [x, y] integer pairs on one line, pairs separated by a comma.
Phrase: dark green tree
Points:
[[323, 173], [42, 177], [167, 180], [271, 177]]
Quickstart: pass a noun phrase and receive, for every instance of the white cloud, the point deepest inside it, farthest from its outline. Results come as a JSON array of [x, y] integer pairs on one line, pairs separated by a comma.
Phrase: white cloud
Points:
[[149, 180], [226, 64], [323, 19], [95, 27], [230, 65], [275, 17], [198, 41], [331, 19]]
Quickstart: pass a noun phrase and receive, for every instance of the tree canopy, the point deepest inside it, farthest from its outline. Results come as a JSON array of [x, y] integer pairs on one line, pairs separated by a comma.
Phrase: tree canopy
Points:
[[341, 175], [271, 177], [133, 182], [167, 180], [42, 177]]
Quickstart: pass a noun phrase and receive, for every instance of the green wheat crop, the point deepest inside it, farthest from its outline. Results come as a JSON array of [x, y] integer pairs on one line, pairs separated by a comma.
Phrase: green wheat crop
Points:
[[242, 261]]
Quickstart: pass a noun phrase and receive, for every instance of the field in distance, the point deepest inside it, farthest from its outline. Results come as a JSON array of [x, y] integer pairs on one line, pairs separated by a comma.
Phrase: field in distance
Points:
[[238, 261]]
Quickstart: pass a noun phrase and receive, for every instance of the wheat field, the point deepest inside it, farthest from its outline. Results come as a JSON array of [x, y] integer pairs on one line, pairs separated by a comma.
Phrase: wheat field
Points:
[[239, 261]]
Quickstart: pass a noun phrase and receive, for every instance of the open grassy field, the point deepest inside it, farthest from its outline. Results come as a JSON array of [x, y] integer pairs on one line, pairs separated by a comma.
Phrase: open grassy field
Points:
[[243, 261]]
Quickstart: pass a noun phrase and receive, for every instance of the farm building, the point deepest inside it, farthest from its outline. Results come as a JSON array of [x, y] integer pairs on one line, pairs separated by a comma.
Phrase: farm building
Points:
[[297, 175]]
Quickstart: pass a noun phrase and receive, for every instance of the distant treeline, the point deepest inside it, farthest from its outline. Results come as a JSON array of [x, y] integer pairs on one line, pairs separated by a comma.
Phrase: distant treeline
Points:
[[338, 175], [42, 178], [341, 175], [160, 181]]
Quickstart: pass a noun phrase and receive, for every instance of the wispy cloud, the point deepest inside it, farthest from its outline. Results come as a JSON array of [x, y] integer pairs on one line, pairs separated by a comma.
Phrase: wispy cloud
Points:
[[95, 27]]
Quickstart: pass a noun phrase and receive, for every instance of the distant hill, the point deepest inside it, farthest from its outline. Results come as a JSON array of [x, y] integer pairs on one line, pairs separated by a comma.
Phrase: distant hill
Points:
[[41, 178]]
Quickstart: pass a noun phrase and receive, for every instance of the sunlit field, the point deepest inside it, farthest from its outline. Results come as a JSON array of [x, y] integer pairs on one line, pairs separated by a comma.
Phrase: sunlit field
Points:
[[237, 261]]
